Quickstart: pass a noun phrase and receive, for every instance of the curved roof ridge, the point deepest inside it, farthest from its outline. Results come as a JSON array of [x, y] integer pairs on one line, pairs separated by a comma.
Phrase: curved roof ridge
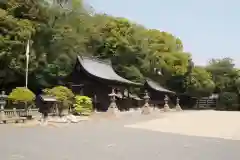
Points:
[[106, 61], [156, 86], [102, 69]]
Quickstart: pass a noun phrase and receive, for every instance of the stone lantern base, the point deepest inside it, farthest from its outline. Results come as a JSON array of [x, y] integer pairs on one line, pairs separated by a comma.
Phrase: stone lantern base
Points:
[[178, 108], [146, 109], [112, 109], [166, 108]]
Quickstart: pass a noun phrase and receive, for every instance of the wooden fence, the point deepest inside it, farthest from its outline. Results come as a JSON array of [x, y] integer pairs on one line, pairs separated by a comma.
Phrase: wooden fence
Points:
[[207, 102]]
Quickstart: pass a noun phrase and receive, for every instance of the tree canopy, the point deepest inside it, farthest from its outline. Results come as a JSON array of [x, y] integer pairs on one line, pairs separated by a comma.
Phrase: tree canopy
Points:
[[60, 30]]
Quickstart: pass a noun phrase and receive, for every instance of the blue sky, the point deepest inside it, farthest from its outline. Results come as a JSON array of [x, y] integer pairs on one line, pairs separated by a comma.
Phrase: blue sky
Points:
[[208, 28]]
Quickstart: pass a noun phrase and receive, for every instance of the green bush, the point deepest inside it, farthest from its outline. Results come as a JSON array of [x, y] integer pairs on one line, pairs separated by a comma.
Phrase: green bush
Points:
[[63, 95], [83, 105], [228, 100], [21, 95]]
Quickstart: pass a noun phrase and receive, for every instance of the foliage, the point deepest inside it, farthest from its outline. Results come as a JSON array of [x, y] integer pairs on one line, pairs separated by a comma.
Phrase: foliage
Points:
[[228, 100], [224, 74], [83, 105], [56, 33], [62, 94], [200, 83], [61, 30], [22, 94], [237, 84]]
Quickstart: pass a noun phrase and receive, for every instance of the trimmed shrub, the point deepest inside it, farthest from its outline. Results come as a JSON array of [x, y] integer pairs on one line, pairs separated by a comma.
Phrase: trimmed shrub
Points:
[[63, 95], [83, 105], [21, 95]]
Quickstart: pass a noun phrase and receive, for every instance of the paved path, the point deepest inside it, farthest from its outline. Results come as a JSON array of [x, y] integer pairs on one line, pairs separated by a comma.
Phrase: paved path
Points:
[[110, 140]]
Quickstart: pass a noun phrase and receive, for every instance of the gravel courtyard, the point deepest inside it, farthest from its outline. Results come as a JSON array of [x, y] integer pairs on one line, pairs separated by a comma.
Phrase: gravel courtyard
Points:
[[190, 135]]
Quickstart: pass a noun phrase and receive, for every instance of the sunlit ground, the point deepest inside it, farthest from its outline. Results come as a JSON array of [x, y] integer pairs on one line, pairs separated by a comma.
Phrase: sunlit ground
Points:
[[218, 124]]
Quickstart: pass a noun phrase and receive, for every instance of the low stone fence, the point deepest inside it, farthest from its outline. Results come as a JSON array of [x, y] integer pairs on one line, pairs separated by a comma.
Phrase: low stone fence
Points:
[[17, 114]]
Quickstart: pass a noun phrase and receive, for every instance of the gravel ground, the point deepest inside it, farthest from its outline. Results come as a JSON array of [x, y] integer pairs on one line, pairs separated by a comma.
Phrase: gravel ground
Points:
[[108, 139], [215, 124]]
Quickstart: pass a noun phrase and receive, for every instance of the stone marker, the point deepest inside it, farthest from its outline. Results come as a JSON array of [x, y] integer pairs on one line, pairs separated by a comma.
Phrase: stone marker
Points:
[[2, 114], [178, 107], [112, 109], [146, 108], [3, 102], [166, 106]]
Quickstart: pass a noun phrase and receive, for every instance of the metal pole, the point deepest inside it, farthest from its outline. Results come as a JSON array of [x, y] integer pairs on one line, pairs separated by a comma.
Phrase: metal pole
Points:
[[27, 62], [26, 82]]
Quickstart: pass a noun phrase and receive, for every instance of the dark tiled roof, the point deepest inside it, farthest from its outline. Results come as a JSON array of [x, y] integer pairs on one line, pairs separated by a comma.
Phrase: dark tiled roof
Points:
[[102, 69], [48, 98], [156, 86]]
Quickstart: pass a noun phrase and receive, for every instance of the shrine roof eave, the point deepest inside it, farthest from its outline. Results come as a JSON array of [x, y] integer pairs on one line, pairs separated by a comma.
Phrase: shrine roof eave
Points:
[[157, 87], [103, 69]]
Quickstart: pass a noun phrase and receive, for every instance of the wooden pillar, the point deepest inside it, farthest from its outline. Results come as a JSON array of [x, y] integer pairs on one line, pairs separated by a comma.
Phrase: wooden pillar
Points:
[[95, 103]]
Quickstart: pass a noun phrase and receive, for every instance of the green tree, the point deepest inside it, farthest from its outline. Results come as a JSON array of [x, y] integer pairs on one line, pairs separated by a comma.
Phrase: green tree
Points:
[[115, 38], [56, 34], [228, 101], [137, 49], [14, 32], [224, 74], [60, 31], [200, 83], [226, 78]]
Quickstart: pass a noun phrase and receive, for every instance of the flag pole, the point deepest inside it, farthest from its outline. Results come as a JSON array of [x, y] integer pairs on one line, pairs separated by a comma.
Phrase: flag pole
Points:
[[27, 63]]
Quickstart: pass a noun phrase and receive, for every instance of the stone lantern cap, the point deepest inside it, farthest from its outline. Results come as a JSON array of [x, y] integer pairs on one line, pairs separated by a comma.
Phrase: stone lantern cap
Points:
[[113, 94], [146, 96], [3, 98], [3, 95], [166, 98]]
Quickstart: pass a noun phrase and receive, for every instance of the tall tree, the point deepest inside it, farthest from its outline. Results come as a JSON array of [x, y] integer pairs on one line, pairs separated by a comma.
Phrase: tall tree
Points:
[[224, 74], [200, 83], [56, 34]]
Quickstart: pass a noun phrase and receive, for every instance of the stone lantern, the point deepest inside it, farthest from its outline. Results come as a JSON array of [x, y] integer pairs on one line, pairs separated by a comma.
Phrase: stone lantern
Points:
[[3, 102], [166, 106], [178, 107], [3, 99], [145, 108], [112, 109]]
